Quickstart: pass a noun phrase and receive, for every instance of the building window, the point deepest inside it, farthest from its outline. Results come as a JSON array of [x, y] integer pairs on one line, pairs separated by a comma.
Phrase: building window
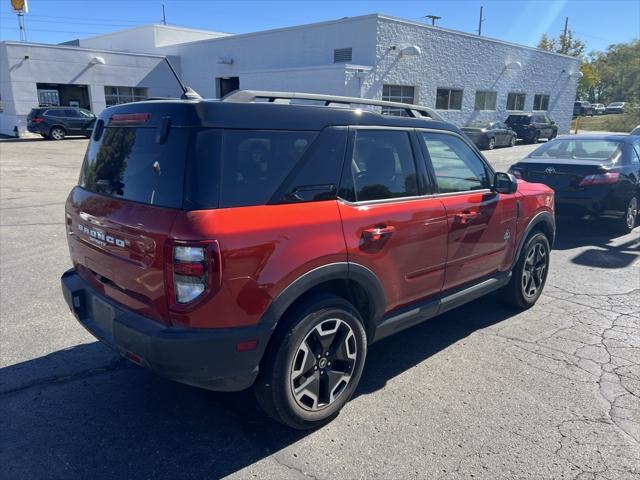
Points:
[[448, 99], [485, 101], [48, 98], [397, 93], [342, 55], [118, 95], [541, 102], [515, 101]]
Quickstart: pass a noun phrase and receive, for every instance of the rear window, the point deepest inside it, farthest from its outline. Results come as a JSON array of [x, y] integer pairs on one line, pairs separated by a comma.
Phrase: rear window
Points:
[[127, 163], [578, 149], [518, 120], [256, 162]]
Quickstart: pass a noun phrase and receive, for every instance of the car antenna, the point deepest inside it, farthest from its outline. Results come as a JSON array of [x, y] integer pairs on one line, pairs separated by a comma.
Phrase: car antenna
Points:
[[188, 93]]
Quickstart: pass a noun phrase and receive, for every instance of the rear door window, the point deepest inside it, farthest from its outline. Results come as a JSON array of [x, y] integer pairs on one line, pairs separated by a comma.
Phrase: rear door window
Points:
[[256, 162], [382, 166], [129, 164]]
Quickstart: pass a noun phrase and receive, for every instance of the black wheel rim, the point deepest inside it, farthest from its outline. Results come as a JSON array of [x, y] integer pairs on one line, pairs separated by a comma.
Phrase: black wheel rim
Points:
[[632, 213], [535, 270], [323, 364]]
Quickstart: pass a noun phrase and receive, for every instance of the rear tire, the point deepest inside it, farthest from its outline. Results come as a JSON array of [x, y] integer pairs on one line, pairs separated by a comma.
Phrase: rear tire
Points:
[[492, 143], [311, 370], [530, 273], [630, 219], [57, 133]]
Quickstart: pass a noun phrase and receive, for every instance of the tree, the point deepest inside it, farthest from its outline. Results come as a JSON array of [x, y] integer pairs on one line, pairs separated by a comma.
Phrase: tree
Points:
[[564, 44]]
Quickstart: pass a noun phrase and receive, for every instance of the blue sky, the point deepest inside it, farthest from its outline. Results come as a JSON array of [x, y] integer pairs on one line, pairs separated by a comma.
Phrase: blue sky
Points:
[[598, 23]]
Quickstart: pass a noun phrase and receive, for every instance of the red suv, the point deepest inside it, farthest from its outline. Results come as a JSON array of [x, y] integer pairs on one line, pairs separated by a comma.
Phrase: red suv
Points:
[[237, 243]]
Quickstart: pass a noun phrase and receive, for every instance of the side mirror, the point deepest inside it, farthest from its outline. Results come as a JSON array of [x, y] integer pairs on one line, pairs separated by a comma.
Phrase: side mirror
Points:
[[504, 183]]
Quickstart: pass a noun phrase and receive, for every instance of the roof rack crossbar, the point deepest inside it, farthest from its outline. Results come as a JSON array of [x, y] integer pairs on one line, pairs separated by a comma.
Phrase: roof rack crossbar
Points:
[[249, 96]]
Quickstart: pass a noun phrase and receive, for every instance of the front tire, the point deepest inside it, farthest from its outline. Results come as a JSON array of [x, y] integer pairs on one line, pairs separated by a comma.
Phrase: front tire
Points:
[[492, 143], [512, 142], [530, 273], [314, 364]]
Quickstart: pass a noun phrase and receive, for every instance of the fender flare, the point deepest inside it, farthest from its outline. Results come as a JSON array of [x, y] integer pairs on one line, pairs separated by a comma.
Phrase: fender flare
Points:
[[333, 271], [546, 218]]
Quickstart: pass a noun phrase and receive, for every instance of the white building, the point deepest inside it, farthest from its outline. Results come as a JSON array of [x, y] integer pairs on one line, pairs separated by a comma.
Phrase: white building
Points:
[[464, 76]]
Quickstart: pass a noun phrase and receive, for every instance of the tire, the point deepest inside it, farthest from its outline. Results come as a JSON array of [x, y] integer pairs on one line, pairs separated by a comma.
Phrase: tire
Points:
[[57, 133], [530, 272], [512, 142], [301, 363], [630, 218], [492, 143]]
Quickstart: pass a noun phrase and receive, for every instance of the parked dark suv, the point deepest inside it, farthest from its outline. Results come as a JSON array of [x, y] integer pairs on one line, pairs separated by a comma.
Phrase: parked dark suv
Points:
[[238, 243], [531, 127], [57, 122]]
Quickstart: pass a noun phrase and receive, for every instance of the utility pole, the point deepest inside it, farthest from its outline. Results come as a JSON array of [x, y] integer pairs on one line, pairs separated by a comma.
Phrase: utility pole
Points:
[[480, 22], [433, 18], [566, 27], [23, 31], [164, 17]]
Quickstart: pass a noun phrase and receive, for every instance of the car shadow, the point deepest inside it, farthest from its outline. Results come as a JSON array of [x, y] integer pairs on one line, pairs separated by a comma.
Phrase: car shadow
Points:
[[607, 248], [121, 421]]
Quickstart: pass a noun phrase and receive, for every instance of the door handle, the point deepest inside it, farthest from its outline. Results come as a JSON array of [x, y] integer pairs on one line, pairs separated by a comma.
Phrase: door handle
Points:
[[466, 217], [376, 233]]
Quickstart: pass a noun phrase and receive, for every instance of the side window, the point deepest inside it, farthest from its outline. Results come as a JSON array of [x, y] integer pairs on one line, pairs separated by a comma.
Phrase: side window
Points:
[[457, 168], [70, 113], [256, 162], [316, 175], [635, 159], [382, 166]]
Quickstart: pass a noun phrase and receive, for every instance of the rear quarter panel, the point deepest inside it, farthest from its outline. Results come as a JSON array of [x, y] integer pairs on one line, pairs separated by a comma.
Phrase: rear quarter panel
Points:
[[264, 249]]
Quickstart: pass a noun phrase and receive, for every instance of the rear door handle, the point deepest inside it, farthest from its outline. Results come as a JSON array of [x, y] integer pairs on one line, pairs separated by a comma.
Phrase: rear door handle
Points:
[[376, 233]]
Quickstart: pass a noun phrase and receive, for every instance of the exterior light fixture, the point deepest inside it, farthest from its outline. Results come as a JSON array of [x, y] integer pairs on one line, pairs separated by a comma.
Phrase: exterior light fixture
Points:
[[225, 60], [97, 61], [411, 51], [576, 75], [514, 66]]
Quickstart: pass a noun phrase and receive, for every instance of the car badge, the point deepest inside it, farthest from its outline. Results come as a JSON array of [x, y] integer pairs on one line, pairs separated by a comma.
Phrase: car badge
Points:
[[550, 170]]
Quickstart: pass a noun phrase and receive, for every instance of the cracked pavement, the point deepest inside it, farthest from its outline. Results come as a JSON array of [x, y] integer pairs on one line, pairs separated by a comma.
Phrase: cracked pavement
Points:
[[482, 391]]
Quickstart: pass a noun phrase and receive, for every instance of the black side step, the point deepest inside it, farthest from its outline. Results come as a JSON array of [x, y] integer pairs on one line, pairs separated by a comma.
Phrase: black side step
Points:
[[424, 311]]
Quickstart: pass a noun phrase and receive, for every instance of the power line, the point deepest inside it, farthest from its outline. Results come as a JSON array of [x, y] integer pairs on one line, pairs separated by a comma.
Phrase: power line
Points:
[[2, 27], [30, 15]]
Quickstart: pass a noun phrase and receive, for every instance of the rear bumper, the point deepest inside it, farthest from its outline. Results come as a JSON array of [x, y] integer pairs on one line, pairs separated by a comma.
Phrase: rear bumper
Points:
[[593, 202], [205, 358]]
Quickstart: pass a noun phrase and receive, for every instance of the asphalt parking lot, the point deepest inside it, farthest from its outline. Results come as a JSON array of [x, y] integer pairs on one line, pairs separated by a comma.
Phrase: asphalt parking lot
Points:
[[482, 391]]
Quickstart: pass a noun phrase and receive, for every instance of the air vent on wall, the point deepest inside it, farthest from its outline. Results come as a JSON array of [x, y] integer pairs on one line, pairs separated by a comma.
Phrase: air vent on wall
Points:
[[342, 55]]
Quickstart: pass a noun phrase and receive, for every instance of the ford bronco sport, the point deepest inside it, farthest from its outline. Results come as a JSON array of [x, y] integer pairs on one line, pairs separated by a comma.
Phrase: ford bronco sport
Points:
[[238, 243]]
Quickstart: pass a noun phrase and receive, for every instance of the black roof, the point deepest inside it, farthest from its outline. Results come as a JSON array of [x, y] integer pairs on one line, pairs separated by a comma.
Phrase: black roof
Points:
[[265, 115]]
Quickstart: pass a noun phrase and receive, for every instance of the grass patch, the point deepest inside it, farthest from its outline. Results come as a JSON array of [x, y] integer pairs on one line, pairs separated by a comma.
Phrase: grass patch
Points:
[[624, 122]]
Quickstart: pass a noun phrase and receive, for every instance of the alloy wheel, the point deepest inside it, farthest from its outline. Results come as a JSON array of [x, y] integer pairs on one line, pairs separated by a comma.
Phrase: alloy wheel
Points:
[[323, 364], [534, 271], [632, 213], [492, 143], [57, 134], [513, 141]]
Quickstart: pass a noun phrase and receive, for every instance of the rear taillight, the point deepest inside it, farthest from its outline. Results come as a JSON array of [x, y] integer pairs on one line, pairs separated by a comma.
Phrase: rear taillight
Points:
[[193, 271], [37, 120], [600, 179]]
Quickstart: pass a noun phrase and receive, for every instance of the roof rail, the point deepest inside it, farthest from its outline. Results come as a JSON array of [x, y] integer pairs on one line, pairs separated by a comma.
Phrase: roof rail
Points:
[[248, 96]]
